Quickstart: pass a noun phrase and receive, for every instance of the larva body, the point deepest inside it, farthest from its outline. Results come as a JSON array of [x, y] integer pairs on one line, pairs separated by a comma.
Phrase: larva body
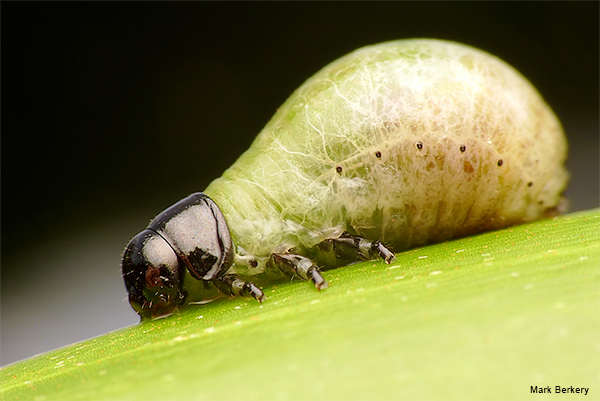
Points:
[[408, 142], [401, 143]]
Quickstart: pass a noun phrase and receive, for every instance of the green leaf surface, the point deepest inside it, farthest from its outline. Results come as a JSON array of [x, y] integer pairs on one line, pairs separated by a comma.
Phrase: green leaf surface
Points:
[[484, 317]]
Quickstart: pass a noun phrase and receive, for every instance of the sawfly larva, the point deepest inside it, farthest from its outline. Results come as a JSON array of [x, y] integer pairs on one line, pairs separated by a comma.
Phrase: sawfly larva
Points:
[[392, 146]]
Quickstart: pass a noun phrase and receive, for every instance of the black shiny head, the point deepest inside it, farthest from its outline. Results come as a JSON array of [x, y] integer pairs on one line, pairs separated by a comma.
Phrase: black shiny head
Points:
[[153, 275], [190, 234]]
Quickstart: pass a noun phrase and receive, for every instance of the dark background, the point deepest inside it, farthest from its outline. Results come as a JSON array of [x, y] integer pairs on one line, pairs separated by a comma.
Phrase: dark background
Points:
[[113, 111]]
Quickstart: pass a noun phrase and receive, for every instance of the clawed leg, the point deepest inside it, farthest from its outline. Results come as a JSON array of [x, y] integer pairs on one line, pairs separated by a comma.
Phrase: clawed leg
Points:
[[293, 265], [346, 248], [377, 248], [233, 285], [353, 248]]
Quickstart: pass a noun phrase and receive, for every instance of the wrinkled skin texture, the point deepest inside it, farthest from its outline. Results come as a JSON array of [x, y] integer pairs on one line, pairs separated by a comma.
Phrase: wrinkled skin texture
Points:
[[407, 142]]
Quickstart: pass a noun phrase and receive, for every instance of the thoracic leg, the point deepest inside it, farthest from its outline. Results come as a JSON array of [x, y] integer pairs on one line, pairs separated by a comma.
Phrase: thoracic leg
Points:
[[346, 248], [233, 285], [353, 248], [293, 265]]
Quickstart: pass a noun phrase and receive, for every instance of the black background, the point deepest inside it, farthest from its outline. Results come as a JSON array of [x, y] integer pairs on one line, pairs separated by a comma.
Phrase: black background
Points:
[[113, 111]]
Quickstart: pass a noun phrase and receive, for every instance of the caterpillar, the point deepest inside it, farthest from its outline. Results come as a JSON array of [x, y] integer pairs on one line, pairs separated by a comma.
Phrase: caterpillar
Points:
[[392, 146]]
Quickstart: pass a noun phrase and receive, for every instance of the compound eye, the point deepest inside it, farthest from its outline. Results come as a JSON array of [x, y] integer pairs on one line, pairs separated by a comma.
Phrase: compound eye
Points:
[[153, 275], [197, 231]]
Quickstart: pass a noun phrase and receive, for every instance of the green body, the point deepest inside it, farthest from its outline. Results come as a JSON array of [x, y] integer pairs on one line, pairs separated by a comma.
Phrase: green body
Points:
[[407, 142]]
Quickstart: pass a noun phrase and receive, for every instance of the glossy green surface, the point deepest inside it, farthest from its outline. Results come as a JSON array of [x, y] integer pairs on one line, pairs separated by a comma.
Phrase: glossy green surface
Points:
[[483, 317]]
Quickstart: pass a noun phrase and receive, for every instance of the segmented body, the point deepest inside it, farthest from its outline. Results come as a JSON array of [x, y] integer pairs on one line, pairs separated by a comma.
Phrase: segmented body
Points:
[[407, 142]]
